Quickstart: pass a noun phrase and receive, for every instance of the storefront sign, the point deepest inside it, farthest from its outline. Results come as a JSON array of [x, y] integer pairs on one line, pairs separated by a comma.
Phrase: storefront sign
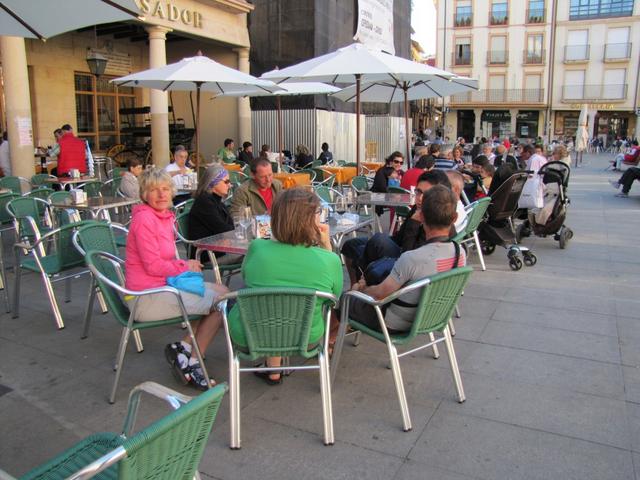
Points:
[[375, 24], [594, 106], [531, 116], [496, 116], [169, 11]]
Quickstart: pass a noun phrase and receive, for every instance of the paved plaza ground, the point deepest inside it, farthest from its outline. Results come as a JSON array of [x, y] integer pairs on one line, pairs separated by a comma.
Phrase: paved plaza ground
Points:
[[549, 356]]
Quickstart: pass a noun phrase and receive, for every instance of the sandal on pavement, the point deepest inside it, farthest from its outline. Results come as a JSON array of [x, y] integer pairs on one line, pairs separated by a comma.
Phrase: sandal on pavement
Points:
[[265, 375]]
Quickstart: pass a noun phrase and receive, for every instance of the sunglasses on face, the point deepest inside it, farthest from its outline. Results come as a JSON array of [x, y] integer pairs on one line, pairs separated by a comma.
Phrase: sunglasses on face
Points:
[[227, 181], [398, 162]]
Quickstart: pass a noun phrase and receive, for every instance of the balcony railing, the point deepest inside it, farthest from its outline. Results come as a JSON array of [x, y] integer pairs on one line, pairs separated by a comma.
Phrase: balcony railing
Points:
[[460, 60], [594, 92], [463, 20], [498, 96], [534, 57], [498, 19], [617, 51], [497, 57], [535, 15], [576, 53]]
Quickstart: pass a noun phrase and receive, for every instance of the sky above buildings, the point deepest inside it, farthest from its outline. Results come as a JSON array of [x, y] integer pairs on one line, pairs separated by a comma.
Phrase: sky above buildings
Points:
[[423, 22]]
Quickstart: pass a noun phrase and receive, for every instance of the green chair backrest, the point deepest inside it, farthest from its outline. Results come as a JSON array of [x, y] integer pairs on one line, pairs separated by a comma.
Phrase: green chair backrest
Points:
[[276, 321], [324, 192], [350, 164], [5, 198], [41, 192], [106, 267], [15, 184], [316, 163], [38, 180], [93, 188], [172, 447], [117, 172], [237, 177], [23, 207], [438, 300], [360, 183], [184, 206], [66, 253], [97, 236], [62, 196], [341, 163], [112, 186], [320, 174], [62, 216], [475, 214], [182, 224]]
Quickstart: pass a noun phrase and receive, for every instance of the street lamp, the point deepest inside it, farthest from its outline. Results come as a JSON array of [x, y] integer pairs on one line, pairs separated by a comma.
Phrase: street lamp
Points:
[[97, 63]]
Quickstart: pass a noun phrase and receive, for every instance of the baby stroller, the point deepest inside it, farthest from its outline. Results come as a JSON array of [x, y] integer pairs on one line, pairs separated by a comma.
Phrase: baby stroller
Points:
[[550, 219], [498, 228]]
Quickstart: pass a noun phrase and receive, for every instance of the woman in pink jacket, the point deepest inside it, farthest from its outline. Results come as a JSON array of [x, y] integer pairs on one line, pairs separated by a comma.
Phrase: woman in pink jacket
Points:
[[150, 259]]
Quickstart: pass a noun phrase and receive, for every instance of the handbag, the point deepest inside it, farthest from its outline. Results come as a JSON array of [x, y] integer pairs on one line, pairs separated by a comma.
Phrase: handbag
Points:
[[532, 195]]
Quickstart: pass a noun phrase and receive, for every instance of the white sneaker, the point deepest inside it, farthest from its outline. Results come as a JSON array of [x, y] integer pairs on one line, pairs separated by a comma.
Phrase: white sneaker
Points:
[[614, 184]]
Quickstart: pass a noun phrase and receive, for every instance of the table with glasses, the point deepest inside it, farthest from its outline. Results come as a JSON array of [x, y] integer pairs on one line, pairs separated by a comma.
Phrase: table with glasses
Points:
[[290, 180], [97, 206]]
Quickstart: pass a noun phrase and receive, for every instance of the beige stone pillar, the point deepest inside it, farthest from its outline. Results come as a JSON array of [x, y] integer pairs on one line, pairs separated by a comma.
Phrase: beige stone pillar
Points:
[[478, 129], [514, 118], [159, 101], [244, 106], [18, 105]]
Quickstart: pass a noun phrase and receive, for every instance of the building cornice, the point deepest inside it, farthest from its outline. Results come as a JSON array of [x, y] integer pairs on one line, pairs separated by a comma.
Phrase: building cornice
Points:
[[231, 6]]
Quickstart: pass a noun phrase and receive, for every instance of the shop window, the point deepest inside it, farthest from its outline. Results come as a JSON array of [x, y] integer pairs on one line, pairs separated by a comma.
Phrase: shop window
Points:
[[97, 104]]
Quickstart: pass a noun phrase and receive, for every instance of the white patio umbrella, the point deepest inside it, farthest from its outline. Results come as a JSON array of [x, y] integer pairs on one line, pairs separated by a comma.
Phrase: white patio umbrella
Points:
[[288, 90], [197, 73], [46, 18], [582, 134], [357, 63], [394, 92]]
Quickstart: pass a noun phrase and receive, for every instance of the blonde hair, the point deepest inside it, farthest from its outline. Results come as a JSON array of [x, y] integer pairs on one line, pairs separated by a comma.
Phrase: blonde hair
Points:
[[300, 204], [561, 151], [152, 177]]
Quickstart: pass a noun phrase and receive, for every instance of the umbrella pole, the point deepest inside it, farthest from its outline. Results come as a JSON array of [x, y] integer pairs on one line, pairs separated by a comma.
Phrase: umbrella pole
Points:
[[358, 123], [406, 126], [198, 85], [280, 139]]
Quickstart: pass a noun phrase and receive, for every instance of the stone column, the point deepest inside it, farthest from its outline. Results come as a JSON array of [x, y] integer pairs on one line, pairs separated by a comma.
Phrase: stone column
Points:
[[514, 117], [159, 101], [478, 130], [591, 127], [18, 106], [637, 135], [244, 106]]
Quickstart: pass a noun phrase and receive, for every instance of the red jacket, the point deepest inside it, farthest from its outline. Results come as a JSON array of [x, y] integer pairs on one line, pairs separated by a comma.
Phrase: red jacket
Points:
[[410, 178], [72, 154]]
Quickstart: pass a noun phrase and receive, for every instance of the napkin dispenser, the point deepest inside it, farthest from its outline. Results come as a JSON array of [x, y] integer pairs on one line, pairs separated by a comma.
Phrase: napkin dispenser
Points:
[[78, 196]]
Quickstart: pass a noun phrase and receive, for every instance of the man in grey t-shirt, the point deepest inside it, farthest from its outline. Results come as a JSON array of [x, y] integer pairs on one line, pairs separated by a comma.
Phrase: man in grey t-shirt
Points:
[[438, 255]]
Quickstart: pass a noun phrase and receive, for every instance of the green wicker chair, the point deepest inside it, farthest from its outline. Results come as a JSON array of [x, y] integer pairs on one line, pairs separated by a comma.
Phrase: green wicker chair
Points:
[[168, 449], [277, 323], [107, 269], [39, 179], [17, 185], [63, 216], [237, 178], [183, 207], [93, 188], [100, 236], [341, 163], [401, 213], [440, 294], [475, 214], [112, 186], [28, 207], [116, 172], [326, 194], [350, 164], [54, 258], [6, 224], [220, 271], [316, 163], [360, 184]]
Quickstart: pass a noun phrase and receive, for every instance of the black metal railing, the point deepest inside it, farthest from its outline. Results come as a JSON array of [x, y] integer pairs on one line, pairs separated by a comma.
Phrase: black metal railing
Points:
[[535, 15], [595, 92], [458, 59], [617, 51], [497, 57], [497, 96], [534, 57], [576, 53]]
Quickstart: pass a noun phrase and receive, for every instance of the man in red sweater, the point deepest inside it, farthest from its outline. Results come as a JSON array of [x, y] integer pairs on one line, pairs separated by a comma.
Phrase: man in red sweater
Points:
[[72, 153]]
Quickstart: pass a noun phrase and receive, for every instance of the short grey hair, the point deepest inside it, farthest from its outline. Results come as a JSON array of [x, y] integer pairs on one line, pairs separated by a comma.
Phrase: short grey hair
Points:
[[152, 177]]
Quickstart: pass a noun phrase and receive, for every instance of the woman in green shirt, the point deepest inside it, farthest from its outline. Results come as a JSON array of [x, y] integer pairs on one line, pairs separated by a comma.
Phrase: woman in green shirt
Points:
[[226, 154], [298, 255]]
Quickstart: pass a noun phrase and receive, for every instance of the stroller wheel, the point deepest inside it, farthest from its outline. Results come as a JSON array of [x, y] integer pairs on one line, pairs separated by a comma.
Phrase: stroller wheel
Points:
[[515, 263], [529, 259], [569, 234], [488, 248]]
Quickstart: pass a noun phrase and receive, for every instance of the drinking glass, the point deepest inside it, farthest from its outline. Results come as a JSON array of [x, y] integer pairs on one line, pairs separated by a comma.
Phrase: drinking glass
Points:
[[341, 205], [245, 218], [240, 227]]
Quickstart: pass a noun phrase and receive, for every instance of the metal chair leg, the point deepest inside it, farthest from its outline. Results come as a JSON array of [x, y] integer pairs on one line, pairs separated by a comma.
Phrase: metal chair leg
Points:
[[457, 310], [52, 300], [476, 240], [356, 338], [402, 397], [453, 361], [122, 349], [434, 347], [327, 408], [452, 327], [103, 304], [234, 403], [138, 341], [67, 290], [89, 309], [337, 349], [3, 279], [16, 287]]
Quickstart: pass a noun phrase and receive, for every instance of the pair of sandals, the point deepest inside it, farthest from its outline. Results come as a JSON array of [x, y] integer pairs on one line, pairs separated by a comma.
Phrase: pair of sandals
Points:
[[266, 375]]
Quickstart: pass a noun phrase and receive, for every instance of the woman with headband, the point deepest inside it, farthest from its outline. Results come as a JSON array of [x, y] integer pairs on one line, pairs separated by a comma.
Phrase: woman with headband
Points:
[[209, 215]]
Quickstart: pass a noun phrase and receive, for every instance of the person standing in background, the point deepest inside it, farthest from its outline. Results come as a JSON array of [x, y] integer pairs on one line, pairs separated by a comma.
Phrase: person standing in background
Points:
[[5, 159], [73, 153]]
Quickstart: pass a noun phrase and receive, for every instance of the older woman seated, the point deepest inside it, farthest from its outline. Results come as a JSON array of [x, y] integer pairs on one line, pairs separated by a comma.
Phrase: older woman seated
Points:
[[129, 184], [209, 215], [298, 255], [151, 260]]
